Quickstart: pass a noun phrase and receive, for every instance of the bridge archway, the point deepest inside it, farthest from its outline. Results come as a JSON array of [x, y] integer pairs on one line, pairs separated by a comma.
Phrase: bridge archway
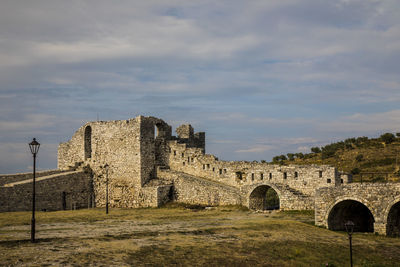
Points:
[[350, 210], [393, 220], [264, 197]]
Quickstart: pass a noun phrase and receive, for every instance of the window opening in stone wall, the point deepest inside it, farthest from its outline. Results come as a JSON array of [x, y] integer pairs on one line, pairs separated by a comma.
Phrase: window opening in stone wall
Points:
[[270, 176], [285, 175], [328, 181], [208, 166], [188, 159], [262, 176], [239, 175], [220, 171], [88, 142], [252, 176], [183, 155], [174, 152], [341, 181], [204, 166], [296, 174], [320, 174], [183, 163], [213, 169], [155, 131], [192, 159], [224, 170]]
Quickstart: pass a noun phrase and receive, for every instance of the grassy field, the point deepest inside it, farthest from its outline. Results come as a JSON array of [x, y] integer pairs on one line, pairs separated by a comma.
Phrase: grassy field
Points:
[[179, 235]]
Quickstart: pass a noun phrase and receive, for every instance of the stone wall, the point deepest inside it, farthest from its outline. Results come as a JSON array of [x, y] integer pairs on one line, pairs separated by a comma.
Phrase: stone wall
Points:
[[379, 198], [194, 190], [115, 143], [132, 149], [304, 179], [11, 178], [54, 192]]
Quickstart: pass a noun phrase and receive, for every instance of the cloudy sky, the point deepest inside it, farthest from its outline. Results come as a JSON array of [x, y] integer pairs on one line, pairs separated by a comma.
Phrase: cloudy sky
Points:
[[261, 78]]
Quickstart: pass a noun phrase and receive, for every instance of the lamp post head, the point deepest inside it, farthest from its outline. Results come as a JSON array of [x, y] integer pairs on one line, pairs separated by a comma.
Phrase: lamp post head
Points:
[[349, 227], [34, 146]]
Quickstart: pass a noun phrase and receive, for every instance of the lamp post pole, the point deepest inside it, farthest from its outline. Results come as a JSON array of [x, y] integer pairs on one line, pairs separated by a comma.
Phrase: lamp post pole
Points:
[[349, 228], [106, 166], [34, 147]]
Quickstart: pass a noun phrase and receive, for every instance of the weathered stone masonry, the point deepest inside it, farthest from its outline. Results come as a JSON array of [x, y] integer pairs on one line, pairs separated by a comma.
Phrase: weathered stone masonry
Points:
[[54, 191], [373, 207]]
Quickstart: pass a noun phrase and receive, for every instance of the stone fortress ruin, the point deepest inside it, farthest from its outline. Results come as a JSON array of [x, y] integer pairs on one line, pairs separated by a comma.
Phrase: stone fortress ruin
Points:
[[141, 164]]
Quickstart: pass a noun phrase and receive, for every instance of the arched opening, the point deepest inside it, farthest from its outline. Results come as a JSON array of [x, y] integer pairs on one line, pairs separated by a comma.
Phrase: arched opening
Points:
[[351, 210], [156, 131], [88, 142], [393, 221], [264, 197]]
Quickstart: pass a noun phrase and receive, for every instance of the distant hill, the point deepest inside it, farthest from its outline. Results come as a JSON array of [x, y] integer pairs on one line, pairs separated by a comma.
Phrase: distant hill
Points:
[[372, 158]]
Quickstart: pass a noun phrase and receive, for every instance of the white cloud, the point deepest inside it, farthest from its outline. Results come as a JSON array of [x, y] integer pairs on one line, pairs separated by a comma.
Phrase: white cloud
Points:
[[369, 123], [256, 149]]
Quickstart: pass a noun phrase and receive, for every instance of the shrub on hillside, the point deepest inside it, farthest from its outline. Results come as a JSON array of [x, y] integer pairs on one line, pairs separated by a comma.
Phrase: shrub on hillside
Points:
[[355, 171], [359, 157], [315, 149], [290, 156], [279, 159], [387, 138], [398, 135]]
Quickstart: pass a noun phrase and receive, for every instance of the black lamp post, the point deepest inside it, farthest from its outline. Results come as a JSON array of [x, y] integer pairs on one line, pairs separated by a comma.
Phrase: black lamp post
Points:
[[34, 146], [106, 167], [349, 229]]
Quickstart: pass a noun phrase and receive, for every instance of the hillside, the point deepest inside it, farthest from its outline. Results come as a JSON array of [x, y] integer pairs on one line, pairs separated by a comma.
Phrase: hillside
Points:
[[374, 159]]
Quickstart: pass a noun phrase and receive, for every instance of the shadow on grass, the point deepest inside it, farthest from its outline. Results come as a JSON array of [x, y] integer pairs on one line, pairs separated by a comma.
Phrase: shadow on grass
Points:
[[16, 243]]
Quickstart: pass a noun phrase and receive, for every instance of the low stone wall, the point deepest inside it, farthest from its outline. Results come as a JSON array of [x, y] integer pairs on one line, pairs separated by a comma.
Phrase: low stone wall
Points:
[[193, 190], [67, 190], [11, 178]]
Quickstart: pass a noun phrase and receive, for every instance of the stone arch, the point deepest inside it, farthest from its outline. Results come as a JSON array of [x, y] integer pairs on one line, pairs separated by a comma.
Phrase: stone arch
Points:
[[88, 142], [264, 197], [161, 129], [393, 219], [350, 209]]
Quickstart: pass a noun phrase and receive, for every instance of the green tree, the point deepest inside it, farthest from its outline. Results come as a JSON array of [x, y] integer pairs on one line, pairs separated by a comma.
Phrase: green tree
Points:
[[276, 159], [387, 138], [315, 149], [290, 156]]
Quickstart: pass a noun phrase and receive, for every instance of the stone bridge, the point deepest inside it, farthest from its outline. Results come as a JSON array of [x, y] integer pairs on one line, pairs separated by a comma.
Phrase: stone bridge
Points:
[[373, 207]]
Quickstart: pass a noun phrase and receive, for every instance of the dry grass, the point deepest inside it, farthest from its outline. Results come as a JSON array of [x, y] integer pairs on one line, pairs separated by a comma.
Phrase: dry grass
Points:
[[178, 236]]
